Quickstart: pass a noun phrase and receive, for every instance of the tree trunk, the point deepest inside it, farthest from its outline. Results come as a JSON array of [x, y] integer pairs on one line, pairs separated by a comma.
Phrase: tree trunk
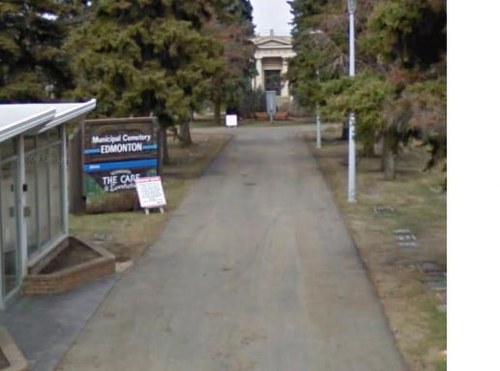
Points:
[[388, 160], [217, 109], [165, 158], [345, 131], [369, 150], [185, 133]]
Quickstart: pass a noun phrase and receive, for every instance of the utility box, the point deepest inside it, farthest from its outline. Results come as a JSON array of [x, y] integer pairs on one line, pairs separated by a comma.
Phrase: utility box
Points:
[[271, 104]]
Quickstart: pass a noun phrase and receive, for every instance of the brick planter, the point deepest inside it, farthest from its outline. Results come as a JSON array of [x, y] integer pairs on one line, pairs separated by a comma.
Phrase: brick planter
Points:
[[281, 116], [72, 263], [261, 115]]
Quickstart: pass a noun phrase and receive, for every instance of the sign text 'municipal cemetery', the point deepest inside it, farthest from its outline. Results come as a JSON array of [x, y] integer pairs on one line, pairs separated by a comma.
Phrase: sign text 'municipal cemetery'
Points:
[[121, 143]]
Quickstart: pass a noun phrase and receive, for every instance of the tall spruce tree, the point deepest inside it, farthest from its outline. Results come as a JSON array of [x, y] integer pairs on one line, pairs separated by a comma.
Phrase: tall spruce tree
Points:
[[32, 65], [147, 57], [408, 40], [321, 43], [232, 28]]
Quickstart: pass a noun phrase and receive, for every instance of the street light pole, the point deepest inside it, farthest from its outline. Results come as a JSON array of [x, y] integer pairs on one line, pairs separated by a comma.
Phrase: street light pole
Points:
[[351, 182], [318, 120]]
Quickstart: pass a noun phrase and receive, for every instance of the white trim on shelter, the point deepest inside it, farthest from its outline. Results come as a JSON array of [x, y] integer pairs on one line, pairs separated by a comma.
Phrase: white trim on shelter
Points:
[[69, 112], [17, 118]]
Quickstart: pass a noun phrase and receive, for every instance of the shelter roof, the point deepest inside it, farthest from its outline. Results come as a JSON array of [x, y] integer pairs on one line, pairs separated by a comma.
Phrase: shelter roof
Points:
[[17, 119]]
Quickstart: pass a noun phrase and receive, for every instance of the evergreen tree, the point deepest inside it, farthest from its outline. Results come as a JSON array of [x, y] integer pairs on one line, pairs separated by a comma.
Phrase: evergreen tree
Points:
[[318, 40], [32, 65], [321, 44], [232, 28], [408, 39], [400, 64], [147, 57]]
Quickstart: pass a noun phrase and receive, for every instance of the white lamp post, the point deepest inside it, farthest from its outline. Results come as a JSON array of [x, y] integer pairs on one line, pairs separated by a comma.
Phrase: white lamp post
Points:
[[351, 181], [318, 120]]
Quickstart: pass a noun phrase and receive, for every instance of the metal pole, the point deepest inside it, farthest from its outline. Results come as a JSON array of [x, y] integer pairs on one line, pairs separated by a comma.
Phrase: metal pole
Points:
[[318, 120], [351, 183], [351, 44], [21, 201], [318, 127]]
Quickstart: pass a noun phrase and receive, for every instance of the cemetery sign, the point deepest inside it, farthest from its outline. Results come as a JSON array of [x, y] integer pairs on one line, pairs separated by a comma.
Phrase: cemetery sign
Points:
[[116, 152]]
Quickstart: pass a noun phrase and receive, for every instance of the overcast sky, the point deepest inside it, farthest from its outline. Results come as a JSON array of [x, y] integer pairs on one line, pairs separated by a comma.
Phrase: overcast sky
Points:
[[273, 14]]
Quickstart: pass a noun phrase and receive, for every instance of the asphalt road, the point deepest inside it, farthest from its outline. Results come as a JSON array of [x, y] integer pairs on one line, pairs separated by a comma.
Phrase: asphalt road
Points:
[[254, 271]]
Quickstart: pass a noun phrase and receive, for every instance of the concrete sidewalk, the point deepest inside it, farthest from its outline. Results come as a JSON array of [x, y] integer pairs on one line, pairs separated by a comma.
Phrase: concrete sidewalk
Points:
[[44, 327]]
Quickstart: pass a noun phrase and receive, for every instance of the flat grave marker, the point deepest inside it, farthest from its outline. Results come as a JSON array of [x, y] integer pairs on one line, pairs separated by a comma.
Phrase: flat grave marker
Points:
[[405, 238], [383, 210]]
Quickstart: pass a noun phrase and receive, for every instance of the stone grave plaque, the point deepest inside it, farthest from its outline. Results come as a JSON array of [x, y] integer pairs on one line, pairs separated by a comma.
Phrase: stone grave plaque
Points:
[[383, 210], [436, 285], [405, 238], [431, 269]]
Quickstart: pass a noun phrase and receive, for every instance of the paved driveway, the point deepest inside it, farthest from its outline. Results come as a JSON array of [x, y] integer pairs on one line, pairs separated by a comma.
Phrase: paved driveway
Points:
[[254, 271]]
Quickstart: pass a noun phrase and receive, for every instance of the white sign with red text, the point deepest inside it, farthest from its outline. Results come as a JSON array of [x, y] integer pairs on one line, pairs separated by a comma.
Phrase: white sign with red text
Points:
[[150, 192]]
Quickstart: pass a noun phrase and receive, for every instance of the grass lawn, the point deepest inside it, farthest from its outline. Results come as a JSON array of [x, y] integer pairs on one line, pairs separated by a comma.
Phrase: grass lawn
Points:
[[128, 234], [415, 202]]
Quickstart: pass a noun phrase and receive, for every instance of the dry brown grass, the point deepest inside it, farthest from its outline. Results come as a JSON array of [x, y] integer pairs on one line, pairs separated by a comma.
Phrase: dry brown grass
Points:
[[419, 205]]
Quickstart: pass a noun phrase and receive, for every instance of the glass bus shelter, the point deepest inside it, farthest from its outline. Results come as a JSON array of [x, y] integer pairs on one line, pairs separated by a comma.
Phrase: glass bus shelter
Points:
[[33, 185]]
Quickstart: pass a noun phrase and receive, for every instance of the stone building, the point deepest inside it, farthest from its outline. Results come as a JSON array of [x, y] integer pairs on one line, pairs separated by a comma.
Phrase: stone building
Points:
[[271, 56]]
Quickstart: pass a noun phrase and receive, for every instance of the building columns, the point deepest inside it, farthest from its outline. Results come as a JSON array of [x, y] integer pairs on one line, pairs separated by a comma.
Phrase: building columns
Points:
[[259, 79], [284, 70]]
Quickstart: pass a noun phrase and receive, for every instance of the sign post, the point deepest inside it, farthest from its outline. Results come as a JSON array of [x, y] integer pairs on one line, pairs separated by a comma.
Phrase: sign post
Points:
[[150, 192]]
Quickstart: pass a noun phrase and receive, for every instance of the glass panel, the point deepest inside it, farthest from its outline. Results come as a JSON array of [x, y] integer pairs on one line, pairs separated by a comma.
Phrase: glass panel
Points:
[[31, 202], [42, 168], [8, 210], [54, 134], [42, 139], [7, 148], [29, 143], [55, 178]]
